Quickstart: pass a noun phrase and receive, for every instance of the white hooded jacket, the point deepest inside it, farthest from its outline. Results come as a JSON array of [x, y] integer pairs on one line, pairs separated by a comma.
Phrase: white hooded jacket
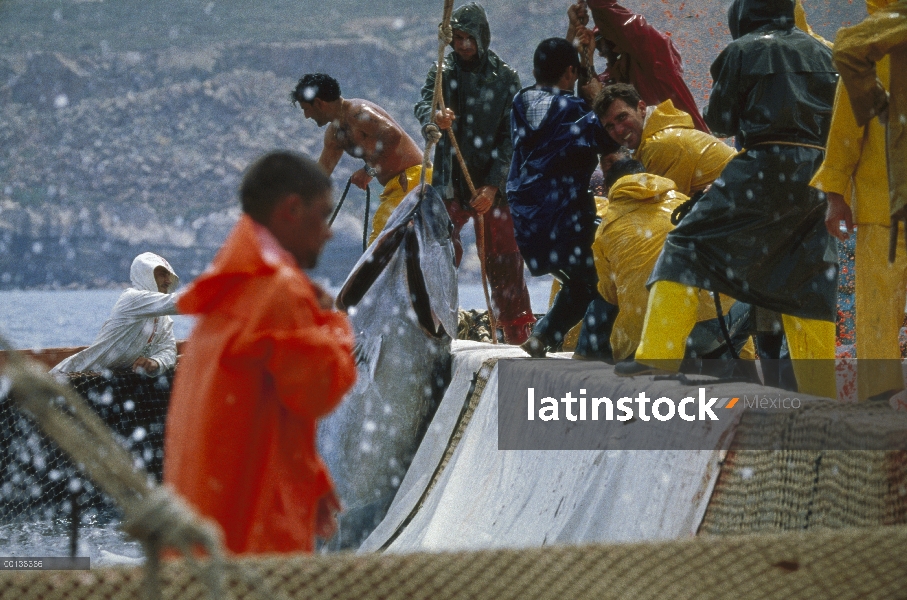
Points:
[[137, 326]]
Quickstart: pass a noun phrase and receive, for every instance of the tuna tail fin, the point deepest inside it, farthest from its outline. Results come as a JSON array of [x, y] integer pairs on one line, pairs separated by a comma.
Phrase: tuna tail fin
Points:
[[361, 280]]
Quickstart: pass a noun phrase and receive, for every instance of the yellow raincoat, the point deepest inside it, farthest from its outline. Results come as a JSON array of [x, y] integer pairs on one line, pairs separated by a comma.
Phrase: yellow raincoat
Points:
[[857, 50], [672, 148], [626, 246], [800, 21], [856, 156]]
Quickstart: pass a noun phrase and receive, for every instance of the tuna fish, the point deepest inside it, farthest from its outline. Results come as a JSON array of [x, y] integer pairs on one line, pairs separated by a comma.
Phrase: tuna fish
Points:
[[402, 302]]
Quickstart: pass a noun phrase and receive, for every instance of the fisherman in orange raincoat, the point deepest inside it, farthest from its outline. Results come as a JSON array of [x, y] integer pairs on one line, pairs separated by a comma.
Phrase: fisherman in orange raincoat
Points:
[[267, 358]]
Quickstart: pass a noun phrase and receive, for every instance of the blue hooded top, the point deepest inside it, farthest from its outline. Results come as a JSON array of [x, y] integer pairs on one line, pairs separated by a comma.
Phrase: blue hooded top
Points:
[[556, 143]]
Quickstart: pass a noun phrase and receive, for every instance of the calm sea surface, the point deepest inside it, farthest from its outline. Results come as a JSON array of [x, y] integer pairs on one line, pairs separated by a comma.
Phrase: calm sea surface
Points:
[[49, 319]]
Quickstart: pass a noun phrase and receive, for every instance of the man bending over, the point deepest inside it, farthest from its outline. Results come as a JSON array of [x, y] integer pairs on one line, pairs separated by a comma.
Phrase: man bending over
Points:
[[363, 130]]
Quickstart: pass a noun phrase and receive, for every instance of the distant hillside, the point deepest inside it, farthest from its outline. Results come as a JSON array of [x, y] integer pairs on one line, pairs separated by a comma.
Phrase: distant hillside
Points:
[[125, 125]]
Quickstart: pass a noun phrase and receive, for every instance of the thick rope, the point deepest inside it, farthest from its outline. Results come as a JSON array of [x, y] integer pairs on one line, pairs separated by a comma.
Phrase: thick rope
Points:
[[587, 67], [445, 37], [154, 515]]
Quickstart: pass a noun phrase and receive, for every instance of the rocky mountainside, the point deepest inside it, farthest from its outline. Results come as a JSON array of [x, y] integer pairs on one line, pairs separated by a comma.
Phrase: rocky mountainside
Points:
[[147, 150], [125, 130]]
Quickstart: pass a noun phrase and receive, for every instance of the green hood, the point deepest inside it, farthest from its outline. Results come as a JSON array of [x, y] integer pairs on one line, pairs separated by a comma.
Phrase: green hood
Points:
[[746, 16], [471, 19]]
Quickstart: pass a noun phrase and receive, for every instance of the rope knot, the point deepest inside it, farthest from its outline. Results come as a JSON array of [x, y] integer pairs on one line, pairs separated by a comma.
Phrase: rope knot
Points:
[[431, 133], [445, 33]]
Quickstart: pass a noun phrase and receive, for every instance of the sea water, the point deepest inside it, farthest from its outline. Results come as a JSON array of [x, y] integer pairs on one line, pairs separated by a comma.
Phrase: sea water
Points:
[[62, 318]]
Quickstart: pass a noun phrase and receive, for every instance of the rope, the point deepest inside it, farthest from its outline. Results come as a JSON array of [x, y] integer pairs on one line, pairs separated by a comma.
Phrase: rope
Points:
[[154, 515], [587, 66], [813, 146], [368, 202], [723, 325], [346, 190], [445, 37]]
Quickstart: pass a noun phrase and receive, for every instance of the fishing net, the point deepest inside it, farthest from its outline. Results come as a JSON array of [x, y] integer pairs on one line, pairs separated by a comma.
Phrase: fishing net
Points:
[[850, 563], [38, 481], [803, 524]]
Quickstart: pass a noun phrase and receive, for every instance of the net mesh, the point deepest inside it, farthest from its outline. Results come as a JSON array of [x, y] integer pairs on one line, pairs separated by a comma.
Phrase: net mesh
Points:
[[791, 524], [851, 563], [820, 483], [38, 481]]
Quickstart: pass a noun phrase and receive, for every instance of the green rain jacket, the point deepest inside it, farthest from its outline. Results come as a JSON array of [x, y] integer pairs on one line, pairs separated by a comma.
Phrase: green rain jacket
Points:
[[758, 234], [481, 97]]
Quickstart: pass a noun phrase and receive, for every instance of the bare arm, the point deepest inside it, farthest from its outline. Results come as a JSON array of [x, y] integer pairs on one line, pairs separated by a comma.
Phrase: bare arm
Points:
[[331, 152]]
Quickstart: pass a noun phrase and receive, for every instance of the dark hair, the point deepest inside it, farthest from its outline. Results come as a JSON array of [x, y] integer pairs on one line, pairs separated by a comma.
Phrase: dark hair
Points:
[[622, 168], [316, 85], [276, 175], [617, 91], [551, 59]]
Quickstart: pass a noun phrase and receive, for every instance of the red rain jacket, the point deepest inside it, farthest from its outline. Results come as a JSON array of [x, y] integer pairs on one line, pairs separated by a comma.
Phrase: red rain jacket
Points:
[[648, 58], [263, 363]]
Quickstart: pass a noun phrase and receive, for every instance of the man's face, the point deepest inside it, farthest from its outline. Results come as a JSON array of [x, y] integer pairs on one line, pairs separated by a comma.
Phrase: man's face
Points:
[[162, 278], [465, 45], [314, 110], [624, 123], [311, 230]]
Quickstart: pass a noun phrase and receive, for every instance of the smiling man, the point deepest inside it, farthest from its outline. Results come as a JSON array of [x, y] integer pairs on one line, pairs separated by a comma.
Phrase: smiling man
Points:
[[636, 52], [363, 130], [663, 137], [758, 234]]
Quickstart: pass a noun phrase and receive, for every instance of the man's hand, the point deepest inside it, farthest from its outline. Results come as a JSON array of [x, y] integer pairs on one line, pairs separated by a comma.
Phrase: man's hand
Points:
[[444, 118], [836, 212], [590, 90], [361, 179], [325, 301], [145, 365], [483, 199], [578, 14], [586, 39], [325, 515]]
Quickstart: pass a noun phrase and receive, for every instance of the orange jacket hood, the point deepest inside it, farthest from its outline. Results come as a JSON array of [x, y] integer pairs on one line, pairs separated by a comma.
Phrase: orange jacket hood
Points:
[[233, 264]]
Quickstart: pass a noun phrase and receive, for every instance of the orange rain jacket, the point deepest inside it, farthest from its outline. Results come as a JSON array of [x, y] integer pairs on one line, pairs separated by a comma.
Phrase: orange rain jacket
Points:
[[263, 363]]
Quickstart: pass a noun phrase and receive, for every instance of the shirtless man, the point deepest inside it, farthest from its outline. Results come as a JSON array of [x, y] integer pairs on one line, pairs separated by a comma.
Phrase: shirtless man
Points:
[[363, 130]]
